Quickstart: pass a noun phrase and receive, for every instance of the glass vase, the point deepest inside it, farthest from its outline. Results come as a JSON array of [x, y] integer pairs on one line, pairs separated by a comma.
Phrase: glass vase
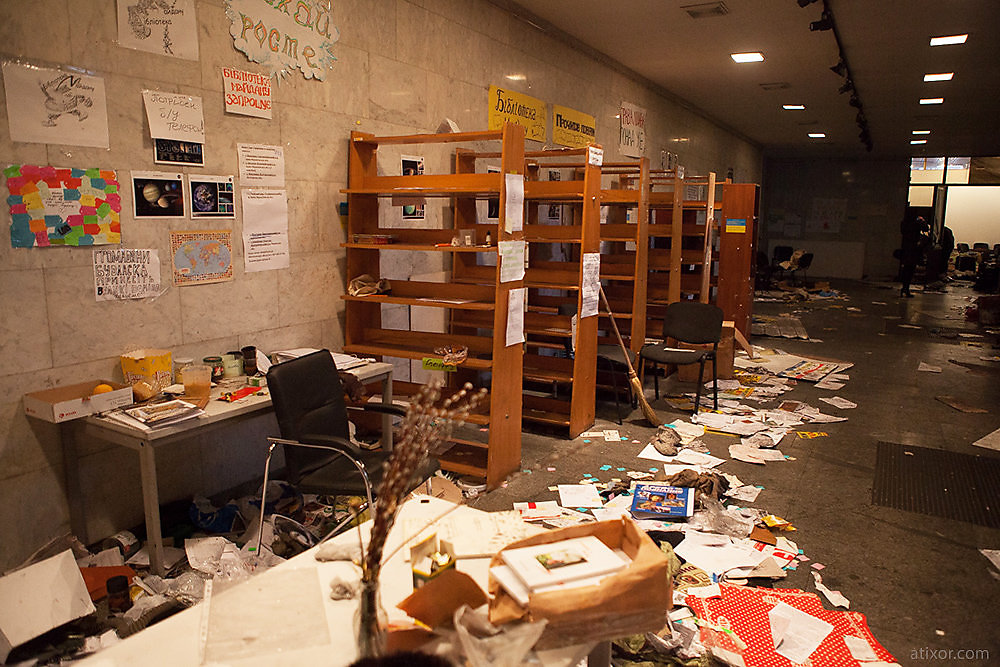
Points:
[[371, 622]]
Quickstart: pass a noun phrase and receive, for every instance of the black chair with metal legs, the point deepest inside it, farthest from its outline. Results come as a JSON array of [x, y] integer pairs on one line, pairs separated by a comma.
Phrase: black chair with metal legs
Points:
[[308, 400], [688, 322]]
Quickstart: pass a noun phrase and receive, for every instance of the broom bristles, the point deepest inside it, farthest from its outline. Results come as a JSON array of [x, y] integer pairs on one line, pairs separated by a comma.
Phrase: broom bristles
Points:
[[647, 409]]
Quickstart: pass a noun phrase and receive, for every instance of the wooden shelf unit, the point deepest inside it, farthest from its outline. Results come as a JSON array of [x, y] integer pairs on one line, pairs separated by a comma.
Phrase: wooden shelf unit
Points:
[[490, 362], [737, 252]]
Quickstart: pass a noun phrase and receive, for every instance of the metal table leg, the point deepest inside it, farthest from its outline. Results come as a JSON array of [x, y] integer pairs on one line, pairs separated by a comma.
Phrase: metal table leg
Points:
[[151, 505], [387, 419]]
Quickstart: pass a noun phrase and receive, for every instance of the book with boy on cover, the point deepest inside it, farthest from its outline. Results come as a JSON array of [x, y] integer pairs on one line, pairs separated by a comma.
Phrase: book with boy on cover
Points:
[[662, 501]]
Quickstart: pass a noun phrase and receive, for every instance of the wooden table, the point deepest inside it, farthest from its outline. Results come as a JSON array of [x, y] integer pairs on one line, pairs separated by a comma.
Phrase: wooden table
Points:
[[219, 414]]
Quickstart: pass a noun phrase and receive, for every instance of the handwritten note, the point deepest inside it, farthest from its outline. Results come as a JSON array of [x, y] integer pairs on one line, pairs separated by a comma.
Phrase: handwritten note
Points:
[[247, 93], [511, 260], [515, 316], [514, 203], [591, 283], [173, 116]]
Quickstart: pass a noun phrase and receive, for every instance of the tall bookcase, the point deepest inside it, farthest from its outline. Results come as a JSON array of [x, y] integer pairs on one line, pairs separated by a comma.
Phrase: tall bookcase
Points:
[[477, 291]]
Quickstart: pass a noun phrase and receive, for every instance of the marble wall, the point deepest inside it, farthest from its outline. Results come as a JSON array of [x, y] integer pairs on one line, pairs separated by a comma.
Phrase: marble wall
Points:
[[402, 66]]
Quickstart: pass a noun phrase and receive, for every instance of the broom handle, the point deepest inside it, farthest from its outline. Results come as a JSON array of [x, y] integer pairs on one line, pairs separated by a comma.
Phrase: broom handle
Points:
[[617, 335]]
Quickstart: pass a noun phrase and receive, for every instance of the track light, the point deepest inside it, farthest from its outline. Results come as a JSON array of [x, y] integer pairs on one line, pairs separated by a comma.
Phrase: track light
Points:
[[825, 23], [840, 69], [848, 87]]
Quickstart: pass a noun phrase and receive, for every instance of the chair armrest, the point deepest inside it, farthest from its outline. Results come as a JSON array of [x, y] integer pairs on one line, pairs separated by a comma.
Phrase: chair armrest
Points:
[[380, 407], [333, 443]]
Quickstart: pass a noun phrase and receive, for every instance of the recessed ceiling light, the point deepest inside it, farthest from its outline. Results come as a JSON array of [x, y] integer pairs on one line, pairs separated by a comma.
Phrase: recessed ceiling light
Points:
[[516, 77], [750, 57], [932, 100], [914, 142], [943, 76], [944, 40], [921, 132], [817, 135], [793, 107]]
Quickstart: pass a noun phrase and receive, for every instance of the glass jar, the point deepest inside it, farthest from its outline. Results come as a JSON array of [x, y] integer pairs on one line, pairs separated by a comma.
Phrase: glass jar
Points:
[[180, 363], [218, 369]]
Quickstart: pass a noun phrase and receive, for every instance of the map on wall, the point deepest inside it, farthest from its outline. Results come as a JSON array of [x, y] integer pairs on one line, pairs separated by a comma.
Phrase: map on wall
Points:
[[166, 27], [202, 257], [52, 206], [285, 37]]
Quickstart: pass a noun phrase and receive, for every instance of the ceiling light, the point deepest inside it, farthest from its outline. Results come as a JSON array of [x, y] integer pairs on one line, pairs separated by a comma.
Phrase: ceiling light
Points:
[[916, 142], [793, 107], [749, 57], [825, 23], [706, 9], [943, 76], [817, 135], [921, 132], [949, 39], [932, 100], [840, 68], [516, 77]]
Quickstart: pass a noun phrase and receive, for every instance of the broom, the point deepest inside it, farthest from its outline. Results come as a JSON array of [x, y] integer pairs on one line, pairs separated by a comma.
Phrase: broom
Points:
[[647, 410]]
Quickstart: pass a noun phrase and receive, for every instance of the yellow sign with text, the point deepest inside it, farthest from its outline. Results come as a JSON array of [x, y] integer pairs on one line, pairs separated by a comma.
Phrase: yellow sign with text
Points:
[[572, 128], [506, 106]]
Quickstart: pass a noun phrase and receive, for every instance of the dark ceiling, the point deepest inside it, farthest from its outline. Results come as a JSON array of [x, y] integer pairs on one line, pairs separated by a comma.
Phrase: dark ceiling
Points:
[[885, 44]]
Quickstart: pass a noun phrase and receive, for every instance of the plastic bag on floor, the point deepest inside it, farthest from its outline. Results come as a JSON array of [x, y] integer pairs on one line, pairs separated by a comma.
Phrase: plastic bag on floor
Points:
[[715, 518], [486, 645]]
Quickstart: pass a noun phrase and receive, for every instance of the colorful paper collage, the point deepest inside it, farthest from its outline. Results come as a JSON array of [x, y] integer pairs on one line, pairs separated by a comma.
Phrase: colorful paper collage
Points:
[[52, 206]]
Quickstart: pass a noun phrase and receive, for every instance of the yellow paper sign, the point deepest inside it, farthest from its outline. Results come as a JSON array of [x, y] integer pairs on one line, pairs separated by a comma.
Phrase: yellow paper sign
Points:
[[809, 435], [506, 106], [572, 128], [432, 364]]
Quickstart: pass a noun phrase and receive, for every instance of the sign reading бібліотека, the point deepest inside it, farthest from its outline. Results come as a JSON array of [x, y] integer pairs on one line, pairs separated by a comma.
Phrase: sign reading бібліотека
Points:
[[284, 35], [572, 128], [506, 106]]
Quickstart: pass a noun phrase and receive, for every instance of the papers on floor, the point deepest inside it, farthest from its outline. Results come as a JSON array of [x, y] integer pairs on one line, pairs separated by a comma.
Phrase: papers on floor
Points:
[[579, 495], [928, 368], [989, 441], [171, 556], [836, 598], [754, 455], [719, 554], [838, 402], [472, 534], [993, 555], [796, 634]]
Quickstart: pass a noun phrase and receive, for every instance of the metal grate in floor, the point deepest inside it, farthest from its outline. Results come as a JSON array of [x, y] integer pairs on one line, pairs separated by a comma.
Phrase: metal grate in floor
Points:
[[938, 483]]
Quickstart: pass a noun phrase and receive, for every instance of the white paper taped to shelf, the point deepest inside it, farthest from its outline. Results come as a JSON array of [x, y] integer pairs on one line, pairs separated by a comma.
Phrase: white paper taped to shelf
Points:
[[595, 156], [591, 283], [515, 315], [514, 203], [511, 260]]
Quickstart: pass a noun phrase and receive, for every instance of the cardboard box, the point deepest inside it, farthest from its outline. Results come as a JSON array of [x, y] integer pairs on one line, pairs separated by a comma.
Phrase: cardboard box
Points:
[[153, 366], [41, 597], [689, 372], [74, 401], [633, 600]]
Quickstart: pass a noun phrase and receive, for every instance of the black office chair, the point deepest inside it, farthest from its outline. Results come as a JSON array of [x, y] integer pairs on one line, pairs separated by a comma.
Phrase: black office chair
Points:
[[781, 253], [962, 247], [762, 272], [308, 400], [612, 357], [688, 322], [805, 261]]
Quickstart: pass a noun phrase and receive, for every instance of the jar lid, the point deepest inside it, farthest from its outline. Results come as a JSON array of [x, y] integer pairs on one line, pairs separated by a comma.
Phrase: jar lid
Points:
[[182, 361]]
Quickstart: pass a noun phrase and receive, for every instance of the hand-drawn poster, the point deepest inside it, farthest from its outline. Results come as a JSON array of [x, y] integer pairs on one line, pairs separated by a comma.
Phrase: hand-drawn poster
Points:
[[265, 230], [50, 106], [412, 165], [202, 257], [247, 93], [157, 194], [261, 165], [284, 38], [53, 206], [126, 273], [632, 130], [212, 197], [166, 27], [174, 116]]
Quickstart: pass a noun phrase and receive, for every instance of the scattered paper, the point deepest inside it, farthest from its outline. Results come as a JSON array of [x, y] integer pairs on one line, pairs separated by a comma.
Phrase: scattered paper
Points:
[[611, 435], [745, 494], [718, 554], [836, 598], [993, 555], [989, 441], [838, 402], [796, 634], [860, 649], [961, 406], [928, 368], [545, 509], [712, 591], [747, 454], [827, 383], [579, 495]]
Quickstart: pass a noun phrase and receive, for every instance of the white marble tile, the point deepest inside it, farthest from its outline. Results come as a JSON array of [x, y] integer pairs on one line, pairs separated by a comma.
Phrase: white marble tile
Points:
[[310, 289], [344, 90], [314, 143], [36, 503], [308, 334], [397, 92], [37, 30], [24, 337], [422, 38], [369, 25], [29, 444], [245, 304]]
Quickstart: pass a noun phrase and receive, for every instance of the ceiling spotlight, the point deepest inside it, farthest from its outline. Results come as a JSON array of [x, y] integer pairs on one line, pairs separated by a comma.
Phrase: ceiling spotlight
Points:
[[793, 107], [825, 23], [817, 135], [805, 3], [750, 57], [848, 87], [840, 69]]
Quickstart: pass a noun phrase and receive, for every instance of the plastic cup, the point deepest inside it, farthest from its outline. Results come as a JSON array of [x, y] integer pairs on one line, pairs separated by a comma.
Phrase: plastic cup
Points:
[[197, 381]]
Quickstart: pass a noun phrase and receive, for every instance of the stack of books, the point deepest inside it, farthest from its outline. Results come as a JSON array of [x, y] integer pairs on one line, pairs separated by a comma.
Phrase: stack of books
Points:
[[543, 568]]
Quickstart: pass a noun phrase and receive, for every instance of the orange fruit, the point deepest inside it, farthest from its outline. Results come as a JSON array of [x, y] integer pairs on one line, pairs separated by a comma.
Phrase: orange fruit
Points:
[[102, 389]]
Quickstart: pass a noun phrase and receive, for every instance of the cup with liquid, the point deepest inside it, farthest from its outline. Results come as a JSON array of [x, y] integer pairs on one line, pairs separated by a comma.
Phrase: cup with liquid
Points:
[[197, 381]]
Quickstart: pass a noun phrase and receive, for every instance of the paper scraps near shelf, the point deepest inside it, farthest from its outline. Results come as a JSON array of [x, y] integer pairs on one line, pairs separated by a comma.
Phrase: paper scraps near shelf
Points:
[[836, 598], [838, 402], [579, 495], [928, 368]]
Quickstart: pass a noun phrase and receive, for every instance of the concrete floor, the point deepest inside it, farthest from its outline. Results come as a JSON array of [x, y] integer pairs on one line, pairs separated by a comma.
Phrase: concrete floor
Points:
[[919, 579]]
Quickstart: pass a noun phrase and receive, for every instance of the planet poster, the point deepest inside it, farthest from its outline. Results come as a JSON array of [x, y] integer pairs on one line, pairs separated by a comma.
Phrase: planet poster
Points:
[[212, 197], [157, 194]]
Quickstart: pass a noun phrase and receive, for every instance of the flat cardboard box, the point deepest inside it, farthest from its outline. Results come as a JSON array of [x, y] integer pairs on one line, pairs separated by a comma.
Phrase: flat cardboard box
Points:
[[689, 372], [41, 597], [61, 404]]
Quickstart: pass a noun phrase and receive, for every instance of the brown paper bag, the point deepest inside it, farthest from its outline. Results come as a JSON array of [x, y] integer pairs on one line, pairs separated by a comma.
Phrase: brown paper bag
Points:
[[635, 599]]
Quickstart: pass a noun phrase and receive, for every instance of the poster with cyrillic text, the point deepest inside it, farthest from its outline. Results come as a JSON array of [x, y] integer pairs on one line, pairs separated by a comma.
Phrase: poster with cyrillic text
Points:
[[261, 165], [126, 273], [265, 230], [247, 93], [174, 116]]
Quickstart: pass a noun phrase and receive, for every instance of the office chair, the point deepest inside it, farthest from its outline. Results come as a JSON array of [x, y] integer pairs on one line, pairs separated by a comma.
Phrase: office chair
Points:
[[762, 272], [781, 253], [688, 322], [612, 357], [962, 247], [805, 261], [308, 400]]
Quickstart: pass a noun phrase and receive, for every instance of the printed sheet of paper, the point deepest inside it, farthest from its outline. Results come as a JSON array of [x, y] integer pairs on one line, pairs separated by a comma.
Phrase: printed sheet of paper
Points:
[[591, 284], [211, 196], [579, 495], [514, 203], [50, 106], [511, 260], [796, 634], [515, 315], [167, 29], [175, 116], [265, 230], [261, 165], [126, 273]]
